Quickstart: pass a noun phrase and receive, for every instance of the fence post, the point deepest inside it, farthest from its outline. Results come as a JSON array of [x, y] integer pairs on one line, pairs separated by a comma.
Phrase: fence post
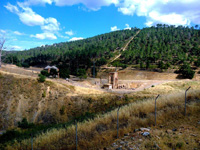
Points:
[[156, 108], [76, 135], [186, 99], [118, 122], [31, 141]]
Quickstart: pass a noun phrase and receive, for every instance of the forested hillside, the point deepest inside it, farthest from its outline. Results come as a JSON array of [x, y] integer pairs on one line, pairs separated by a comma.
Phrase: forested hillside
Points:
[[74, 55], [163, 46], [159, 47]]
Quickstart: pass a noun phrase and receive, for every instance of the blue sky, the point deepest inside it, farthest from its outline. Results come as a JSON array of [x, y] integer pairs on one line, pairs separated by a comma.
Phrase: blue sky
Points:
[[30, 23]]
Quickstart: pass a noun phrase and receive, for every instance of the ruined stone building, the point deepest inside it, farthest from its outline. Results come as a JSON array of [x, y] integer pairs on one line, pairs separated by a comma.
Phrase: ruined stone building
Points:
[[113, 79]]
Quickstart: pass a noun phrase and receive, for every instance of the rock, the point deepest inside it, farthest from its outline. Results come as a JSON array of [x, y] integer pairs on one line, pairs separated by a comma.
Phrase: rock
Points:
[[114, 145], [132, 138], [144, 129], [140, 140], [122, 142], [146, 134], [130, 148], [126, 134], [161, 126], [119, 148], [136, 130], [174, 129], [199, 122], [193, 135], [169, 131]]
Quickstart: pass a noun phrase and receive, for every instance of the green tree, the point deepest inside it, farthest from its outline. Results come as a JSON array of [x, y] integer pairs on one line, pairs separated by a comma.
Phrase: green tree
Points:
[[186, 71], [45, 73], [82, 73], [64, 73], [41, 78]]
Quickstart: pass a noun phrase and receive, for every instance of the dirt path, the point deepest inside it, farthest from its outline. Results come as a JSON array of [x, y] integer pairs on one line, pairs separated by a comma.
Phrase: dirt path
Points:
[[125, 47]]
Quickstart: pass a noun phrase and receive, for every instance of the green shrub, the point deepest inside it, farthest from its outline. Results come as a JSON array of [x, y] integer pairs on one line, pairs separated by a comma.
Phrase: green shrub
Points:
[[44, 94], [186, 71], [197, 63], [24, 124], [81, 74], [64, 73], [45, 73], [179, 144], [62, 110], [25, 65], [41, 78]]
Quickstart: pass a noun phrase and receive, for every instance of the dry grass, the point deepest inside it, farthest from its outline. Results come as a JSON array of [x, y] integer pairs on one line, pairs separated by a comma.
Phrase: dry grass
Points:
[[101, 131]]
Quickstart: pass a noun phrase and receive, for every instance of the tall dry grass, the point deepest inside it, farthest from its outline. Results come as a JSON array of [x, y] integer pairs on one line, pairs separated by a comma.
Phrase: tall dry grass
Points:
[[101, 131]]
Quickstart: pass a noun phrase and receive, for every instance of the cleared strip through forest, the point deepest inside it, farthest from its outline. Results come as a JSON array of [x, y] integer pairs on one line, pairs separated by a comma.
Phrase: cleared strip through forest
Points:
[[124, 48]]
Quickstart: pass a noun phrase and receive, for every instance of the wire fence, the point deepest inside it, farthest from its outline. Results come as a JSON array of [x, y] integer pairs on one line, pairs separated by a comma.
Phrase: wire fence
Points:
[[118, 121]]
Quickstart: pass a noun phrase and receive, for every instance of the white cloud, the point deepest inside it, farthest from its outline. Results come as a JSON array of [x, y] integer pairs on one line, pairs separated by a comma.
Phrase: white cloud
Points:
[[18, 33], [12, 8], [127, 27], [76, 38], [114, 28], [50, 26], [90, 4], [179, 12], [26, 14], [43, 36], [15, 48], [70, 33], [37, 2], [2, 31]]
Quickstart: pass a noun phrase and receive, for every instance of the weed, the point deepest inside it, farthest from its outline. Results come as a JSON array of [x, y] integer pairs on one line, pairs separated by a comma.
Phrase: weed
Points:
[[44, 94], [179, 144], [62, 110]]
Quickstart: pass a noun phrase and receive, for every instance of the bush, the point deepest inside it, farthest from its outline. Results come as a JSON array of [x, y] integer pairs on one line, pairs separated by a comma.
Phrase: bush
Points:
[[62, 110], [24, 124], [64, 73], [101, 61], [119, 64], [25, 65], [45, 73], [41, 78], [186, 71], [197, 63], [81, 74]]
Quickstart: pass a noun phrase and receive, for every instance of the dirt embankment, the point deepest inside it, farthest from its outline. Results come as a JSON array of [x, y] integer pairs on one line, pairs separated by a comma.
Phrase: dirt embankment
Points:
[[49, 102]]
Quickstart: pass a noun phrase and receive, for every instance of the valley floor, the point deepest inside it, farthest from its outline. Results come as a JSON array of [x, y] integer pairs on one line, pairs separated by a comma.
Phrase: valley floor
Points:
[[141, 80]]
